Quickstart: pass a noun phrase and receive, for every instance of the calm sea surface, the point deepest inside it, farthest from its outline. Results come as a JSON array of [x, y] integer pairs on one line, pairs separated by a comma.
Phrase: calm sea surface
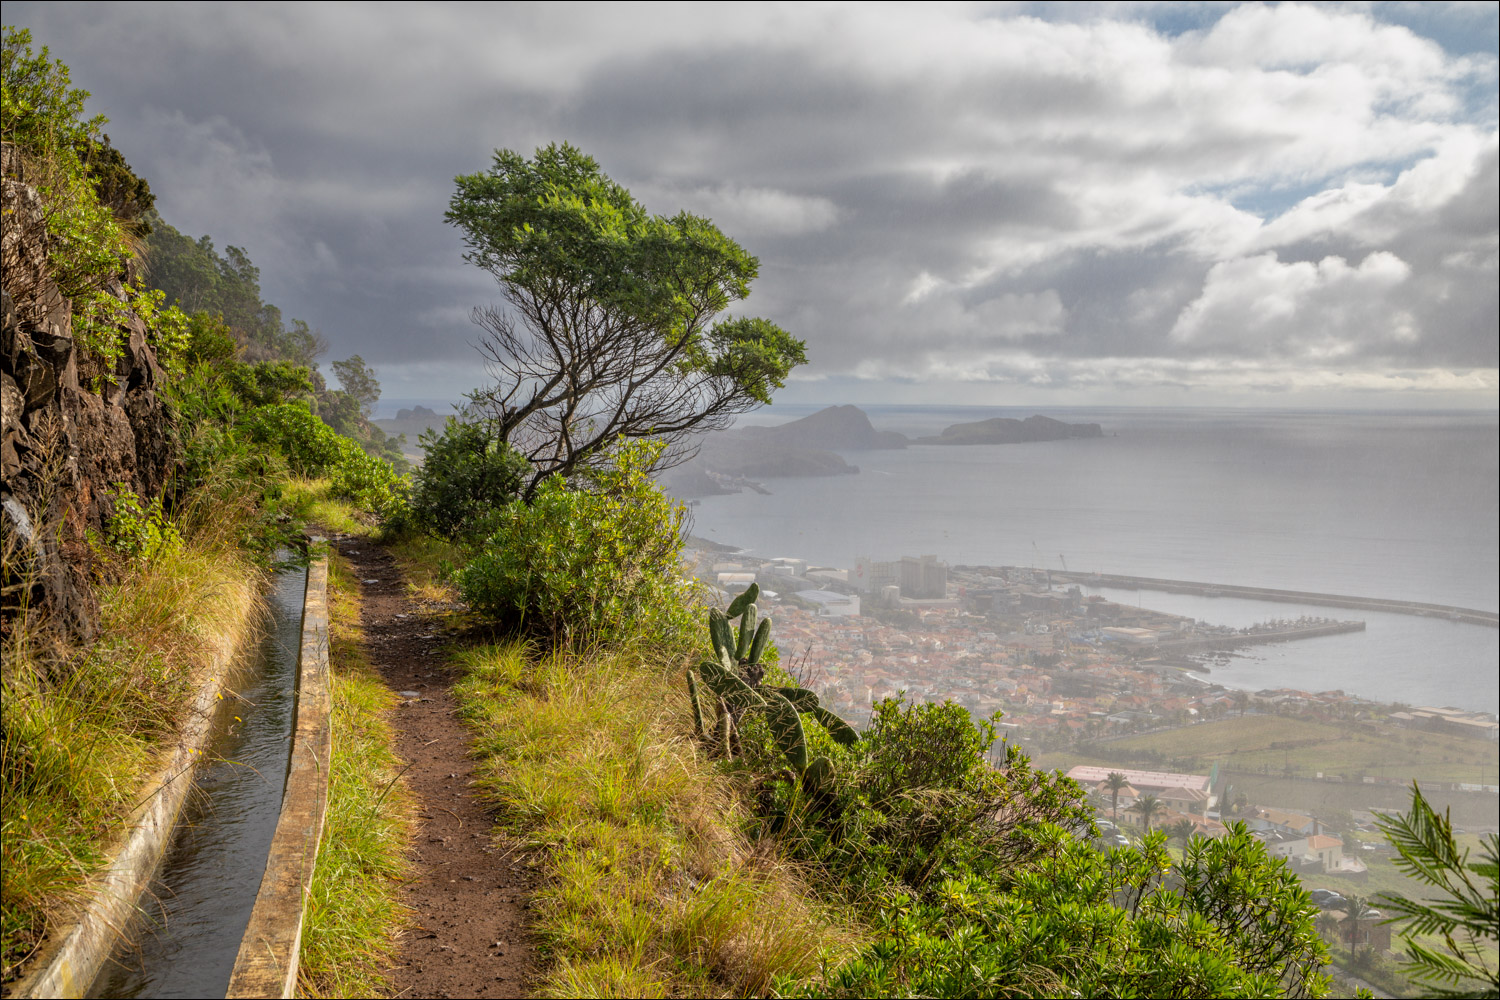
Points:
[[1373, 504]]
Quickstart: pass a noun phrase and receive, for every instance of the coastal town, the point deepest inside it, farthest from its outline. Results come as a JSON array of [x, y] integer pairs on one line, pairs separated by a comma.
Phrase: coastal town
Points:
[[1059, 665], [1078, 678], [1122, 699]]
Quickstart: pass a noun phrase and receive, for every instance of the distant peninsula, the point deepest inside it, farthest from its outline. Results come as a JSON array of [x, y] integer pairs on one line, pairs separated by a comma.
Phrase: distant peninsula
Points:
[[1007, 430], [735, 460]]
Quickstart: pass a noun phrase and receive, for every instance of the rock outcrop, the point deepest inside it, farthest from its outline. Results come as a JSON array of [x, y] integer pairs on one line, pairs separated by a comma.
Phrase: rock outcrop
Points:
[[66, 444], [840, 428]]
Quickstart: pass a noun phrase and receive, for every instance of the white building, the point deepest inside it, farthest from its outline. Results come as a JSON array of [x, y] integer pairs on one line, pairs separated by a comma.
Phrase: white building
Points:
[[831, 604]]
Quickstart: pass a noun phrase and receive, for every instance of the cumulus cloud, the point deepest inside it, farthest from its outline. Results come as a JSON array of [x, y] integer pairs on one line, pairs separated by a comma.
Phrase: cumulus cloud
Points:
[[1324, 311], [1019, 194]]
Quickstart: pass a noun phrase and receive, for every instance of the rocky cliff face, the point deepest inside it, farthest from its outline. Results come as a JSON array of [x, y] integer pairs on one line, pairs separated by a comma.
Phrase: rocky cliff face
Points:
[[65, 446]]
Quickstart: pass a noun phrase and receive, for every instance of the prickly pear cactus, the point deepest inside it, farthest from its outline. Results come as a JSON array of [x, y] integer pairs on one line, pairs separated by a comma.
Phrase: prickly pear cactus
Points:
[[734, 673]]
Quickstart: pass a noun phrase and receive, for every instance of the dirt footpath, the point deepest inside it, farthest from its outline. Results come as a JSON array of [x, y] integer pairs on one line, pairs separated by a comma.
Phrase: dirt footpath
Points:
[[469, 896]]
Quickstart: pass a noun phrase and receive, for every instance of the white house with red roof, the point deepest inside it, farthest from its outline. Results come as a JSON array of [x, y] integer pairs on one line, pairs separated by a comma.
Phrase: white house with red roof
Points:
[[1187, 793]]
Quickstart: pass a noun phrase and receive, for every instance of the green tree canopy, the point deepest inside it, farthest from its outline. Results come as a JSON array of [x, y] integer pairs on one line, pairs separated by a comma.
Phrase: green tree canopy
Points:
[[197, 278], [358, 380], [614, 326]]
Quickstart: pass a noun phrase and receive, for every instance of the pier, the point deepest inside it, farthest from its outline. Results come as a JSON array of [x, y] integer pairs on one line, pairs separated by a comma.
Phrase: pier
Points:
[[1469, 616], [1236, 640]]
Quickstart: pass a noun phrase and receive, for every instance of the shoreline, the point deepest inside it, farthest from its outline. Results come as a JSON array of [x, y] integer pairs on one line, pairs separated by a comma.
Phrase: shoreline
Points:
[[1202, 651]]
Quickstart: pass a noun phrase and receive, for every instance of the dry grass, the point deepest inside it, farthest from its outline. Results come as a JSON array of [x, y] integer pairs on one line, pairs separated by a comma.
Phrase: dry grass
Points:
[[354, 911], [650, 890], [426, 563], [83, 728]]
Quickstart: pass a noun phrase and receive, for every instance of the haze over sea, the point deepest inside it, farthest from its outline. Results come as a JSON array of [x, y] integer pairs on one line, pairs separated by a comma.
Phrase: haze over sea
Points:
[[1394, 505]]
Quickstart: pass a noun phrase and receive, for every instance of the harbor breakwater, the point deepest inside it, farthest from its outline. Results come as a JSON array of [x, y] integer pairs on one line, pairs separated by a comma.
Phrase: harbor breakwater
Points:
[[1469, 616], [1236, 640]]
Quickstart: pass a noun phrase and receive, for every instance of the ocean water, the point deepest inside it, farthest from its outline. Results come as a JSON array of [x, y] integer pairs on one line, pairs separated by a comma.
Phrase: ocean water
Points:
[[1392, 505]]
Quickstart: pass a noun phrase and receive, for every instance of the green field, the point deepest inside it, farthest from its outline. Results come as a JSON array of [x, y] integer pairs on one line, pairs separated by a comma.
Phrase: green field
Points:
[[1269, 744]]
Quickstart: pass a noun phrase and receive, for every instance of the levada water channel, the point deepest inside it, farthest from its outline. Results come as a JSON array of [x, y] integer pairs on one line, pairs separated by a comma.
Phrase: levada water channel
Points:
[[187, 932]]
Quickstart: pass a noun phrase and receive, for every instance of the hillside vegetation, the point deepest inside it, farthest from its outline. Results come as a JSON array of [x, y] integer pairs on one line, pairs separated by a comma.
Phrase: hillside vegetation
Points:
[[705, 826], [154, 433]]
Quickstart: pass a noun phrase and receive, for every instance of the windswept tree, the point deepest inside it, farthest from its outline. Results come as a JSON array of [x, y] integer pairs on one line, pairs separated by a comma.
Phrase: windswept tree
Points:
[[614, 324], [358, 380], [1115, 782]]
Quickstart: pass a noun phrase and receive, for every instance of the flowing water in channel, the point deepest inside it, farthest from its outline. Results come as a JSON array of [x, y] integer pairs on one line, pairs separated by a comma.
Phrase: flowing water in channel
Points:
[[187, 934]]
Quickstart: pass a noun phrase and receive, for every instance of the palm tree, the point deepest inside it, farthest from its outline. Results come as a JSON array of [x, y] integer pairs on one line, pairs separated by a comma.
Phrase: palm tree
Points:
[[1356, 909], [1462, 905], [1182, 830], [1115, 781], [1148, 806]]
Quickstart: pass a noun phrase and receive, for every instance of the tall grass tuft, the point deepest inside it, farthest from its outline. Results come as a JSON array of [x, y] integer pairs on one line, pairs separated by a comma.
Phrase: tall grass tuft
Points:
[[353, 910], [84, 727], [650, 888]]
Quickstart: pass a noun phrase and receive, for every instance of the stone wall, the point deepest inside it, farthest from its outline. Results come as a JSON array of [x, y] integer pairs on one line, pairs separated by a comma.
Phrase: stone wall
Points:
[[66, 444]]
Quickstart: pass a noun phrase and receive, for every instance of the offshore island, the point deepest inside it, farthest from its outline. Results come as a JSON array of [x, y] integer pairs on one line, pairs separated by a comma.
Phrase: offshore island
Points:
[[739, 459]]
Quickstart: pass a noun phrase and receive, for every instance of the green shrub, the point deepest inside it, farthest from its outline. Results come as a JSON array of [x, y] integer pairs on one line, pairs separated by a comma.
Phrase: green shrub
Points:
[[369, 481], [1077, 922], [922, 803], [468, 473], [209, 339], [139, 529], [312, 448], [585, 563]]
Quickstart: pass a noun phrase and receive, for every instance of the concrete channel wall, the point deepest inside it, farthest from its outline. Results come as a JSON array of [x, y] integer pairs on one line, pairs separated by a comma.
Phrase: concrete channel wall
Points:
[[267, 961], [74, 955]]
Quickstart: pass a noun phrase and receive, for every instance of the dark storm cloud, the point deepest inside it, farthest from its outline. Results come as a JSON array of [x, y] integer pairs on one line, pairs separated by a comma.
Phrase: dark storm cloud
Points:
[[1021, 194]]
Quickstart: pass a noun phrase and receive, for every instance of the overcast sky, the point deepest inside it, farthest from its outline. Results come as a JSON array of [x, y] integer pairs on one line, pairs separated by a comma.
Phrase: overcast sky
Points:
[[1194, 204]]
